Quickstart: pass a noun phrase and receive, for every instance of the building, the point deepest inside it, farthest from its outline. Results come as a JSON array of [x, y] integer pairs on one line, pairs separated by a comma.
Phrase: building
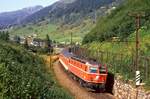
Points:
[[38, 42]]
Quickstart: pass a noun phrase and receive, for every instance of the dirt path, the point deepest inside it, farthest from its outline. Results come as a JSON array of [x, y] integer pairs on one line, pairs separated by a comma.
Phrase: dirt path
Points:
[[74, 88]]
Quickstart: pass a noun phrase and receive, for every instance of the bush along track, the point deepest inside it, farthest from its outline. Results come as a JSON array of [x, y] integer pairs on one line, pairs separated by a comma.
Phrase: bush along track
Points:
[[23, 76]]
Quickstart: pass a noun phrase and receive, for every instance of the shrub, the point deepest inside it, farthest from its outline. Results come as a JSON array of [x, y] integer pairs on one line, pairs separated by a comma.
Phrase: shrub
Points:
[[23, 75]]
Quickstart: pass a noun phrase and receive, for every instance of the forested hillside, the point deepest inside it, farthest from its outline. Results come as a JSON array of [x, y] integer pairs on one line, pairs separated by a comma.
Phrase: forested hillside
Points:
[[23, 76], [119, 23], [71, 11], [114, 39]]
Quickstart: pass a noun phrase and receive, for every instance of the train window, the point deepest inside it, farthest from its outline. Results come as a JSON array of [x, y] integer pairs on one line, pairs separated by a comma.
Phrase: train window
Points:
[[102, 69], [93, 69]]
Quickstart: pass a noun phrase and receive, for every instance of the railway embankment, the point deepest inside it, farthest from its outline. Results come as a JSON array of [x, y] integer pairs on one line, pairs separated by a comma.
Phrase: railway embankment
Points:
[[124, 90], [120, 89], [72, 86]]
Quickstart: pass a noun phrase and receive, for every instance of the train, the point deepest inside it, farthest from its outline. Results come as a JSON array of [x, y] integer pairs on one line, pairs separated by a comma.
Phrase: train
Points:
[[89, 73]]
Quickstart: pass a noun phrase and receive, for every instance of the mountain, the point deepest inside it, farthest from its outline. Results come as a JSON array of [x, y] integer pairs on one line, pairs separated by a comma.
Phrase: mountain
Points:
[[119, 23], [15, 17], [65, 16], [70, 10]]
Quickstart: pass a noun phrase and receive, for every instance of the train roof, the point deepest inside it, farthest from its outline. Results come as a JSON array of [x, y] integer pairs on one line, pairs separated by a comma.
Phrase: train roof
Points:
[[66, 53]]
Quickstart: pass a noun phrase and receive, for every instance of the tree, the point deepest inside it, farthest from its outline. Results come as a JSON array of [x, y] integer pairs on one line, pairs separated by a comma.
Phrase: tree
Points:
[[7, 36], [26, 44], [17, 39], [4, 35], [48, 47]]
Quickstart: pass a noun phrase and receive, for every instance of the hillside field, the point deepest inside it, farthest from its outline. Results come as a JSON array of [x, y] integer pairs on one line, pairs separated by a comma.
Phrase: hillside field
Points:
[[57, 32]]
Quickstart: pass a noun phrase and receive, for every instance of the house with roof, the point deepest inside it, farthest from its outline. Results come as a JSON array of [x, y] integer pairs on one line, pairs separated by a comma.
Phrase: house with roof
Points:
[[38, 42]]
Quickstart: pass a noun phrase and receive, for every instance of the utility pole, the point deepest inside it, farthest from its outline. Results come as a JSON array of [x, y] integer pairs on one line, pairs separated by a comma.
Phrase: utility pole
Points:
[[137, 17], [95, 16], [95, 12], [50, 60], [71, 39], [70, 42], [137, 41]]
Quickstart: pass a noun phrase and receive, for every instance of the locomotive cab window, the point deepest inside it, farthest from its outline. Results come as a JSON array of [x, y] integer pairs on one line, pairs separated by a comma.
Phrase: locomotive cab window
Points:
[[93, 69], [102, 69]]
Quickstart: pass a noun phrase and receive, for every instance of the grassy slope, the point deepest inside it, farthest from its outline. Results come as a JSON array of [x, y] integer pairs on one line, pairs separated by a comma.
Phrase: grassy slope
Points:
[[23, 75], [119, 23], [40, 29], [124, 47], [56, 32], [127, 50]]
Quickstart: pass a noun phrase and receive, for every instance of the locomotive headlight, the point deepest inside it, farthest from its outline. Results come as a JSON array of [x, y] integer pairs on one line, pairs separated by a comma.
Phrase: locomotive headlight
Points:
[[97, 77]]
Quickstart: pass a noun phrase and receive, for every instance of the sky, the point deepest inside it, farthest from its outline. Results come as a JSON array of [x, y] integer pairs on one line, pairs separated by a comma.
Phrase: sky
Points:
[[12, 5]]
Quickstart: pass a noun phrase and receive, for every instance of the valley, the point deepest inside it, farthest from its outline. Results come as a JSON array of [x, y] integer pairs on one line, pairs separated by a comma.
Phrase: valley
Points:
[[57, 32], [97, 42]]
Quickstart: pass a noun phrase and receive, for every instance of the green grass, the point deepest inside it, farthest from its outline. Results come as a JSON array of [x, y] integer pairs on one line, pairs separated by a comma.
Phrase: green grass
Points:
[[127, 50], [119, 23], [56, 32], [23, 75], [40, 30]]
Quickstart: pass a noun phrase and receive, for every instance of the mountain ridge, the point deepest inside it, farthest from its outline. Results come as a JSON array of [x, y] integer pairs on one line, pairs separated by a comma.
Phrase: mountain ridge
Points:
[[14, 17], [65, 10]]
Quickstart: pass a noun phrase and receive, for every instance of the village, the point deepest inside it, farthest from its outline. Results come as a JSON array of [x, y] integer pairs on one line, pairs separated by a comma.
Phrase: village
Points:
[[30, 40]]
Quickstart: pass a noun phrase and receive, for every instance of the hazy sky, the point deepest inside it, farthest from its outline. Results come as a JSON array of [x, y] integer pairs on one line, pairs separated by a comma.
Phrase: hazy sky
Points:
[[11, 5]]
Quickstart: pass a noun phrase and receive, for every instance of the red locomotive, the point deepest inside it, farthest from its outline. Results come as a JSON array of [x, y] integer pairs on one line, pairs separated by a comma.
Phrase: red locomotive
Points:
[[90, 74]]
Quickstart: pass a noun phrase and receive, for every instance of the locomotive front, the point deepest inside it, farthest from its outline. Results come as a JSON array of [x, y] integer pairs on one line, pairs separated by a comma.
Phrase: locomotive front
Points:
[[97, 75]]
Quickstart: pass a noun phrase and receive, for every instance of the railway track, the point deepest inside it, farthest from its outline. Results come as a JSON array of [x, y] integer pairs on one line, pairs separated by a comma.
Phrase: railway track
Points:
[[74, 87]]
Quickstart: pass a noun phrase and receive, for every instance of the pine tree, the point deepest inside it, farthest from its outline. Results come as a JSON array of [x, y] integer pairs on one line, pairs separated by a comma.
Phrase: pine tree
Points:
[[7, 36], [48, 47], [26, 44], [4, 35]]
